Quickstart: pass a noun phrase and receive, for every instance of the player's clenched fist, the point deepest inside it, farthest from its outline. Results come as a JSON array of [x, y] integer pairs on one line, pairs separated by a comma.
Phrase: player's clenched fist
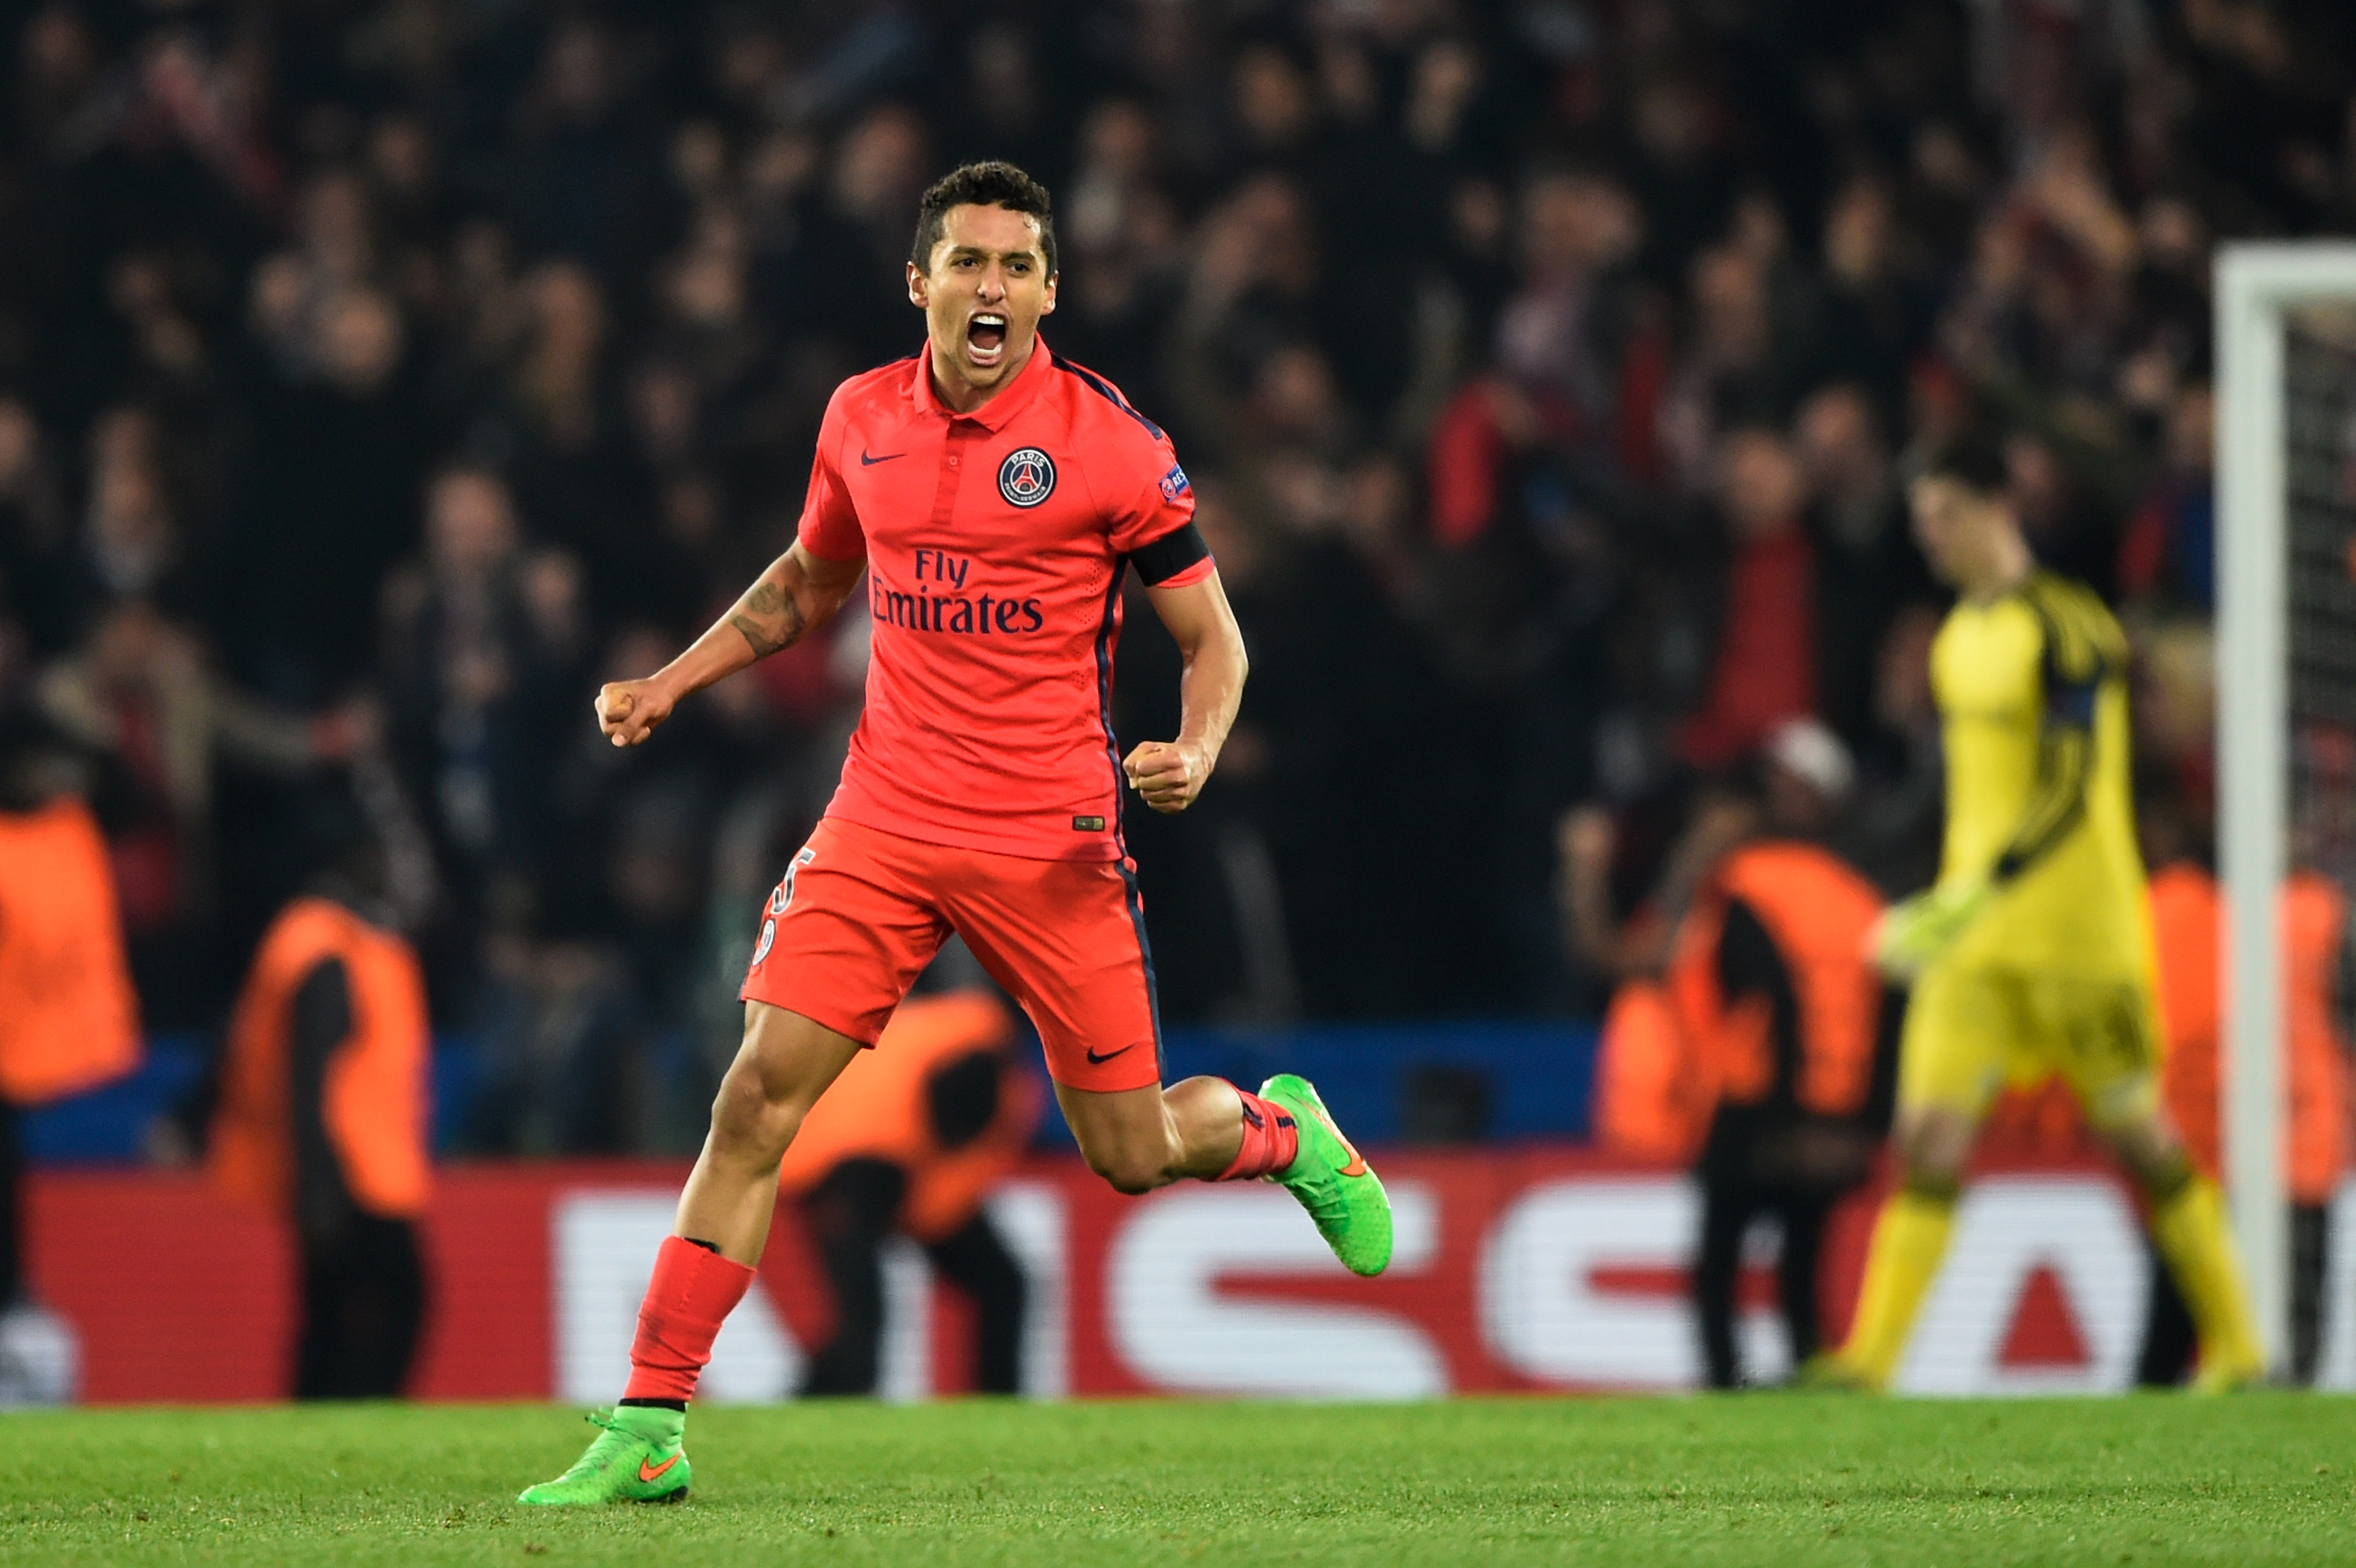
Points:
[[628, 710], [1167, 774]]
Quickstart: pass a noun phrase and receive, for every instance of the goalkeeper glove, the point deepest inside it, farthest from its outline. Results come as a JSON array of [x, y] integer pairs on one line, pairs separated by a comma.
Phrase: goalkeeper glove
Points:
[[1915, 931]]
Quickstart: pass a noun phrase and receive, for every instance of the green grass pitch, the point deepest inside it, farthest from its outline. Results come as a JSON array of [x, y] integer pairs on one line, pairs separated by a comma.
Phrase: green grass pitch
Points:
[[1766, 1479]]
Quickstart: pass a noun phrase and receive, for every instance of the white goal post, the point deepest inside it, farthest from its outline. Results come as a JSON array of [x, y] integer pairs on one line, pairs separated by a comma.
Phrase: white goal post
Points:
[[2257, 286]]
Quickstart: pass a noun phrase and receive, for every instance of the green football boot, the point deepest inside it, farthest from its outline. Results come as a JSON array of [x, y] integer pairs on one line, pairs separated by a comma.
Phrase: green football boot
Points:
[[1332, 1180], [636, 1460]]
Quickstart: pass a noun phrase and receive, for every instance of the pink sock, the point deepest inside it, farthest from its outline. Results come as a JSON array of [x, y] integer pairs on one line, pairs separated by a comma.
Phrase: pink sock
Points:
[[693, 1291], [1270, 1140]]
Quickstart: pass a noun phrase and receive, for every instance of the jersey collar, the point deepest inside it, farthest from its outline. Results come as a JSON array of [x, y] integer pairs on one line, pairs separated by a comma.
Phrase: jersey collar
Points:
[[995, 414]]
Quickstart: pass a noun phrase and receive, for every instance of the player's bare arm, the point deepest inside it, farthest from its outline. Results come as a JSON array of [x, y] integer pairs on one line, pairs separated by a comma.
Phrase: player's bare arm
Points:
[[1168, 774], [798, 593]]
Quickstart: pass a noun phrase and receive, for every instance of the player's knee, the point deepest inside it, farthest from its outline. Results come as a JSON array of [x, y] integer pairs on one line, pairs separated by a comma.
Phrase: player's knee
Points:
[[1930, 1155], [2163, 1177], [745, 1117], [1931, 1172], [2153, 1156]]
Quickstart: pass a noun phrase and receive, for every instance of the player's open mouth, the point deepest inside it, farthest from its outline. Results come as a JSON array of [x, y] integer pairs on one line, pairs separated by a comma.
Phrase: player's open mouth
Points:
[[985, 338]]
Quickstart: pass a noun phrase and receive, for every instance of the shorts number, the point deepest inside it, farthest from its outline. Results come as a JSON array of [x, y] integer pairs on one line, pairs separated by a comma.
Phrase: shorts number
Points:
[[783, 898], [779, 902]]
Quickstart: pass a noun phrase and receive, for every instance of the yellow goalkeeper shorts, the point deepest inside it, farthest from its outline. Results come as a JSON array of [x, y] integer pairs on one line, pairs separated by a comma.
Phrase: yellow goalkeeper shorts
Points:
[[1970, 1032]]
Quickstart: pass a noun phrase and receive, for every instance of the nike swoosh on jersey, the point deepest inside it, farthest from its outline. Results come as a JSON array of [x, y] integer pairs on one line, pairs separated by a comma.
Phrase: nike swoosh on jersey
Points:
[[1096, 1060], [867, 461]]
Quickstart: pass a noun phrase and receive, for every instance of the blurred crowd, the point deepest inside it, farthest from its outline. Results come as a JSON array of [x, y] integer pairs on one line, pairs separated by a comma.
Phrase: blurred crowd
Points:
[[377, 376]]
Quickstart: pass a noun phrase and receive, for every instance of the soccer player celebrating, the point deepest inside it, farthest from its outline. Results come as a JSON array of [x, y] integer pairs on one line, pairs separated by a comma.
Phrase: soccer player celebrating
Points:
[[994, 494], [2033, 952]]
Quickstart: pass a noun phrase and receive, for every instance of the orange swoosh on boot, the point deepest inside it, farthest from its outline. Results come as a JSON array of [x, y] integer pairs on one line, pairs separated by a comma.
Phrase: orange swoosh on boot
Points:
[[645, 1474], [1358, 1166]]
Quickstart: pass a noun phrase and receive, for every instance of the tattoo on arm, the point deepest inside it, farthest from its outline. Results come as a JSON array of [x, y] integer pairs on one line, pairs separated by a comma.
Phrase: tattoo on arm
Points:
[[767, 618]]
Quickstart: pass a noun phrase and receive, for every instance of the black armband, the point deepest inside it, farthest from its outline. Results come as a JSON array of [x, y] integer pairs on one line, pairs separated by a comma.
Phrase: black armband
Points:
[[2071, 703], [1171, 554], [2065, 762]]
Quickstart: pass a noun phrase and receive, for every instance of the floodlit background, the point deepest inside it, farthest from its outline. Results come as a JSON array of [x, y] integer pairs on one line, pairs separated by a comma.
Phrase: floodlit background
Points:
[[379, 376]]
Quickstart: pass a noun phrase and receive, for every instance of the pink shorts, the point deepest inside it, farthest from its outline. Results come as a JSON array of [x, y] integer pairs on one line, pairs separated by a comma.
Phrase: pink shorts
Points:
[[861, 911]]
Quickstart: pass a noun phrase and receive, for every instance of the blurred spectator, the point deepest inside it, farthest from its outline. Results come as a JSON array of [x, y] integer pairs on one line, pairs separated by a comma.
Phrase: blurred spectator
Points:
[[484, 648], [322, 1107], [1253, 291], [140, 694], [1741, 366], [2068, 529], [856, 242], [582, 177], [1779, 1005], [1876, 306], [36, 569], [338, 427], [131, 544], [1121, 237], [1765, 670], [68, 1017], [2167, 556], [911, 1138], [1868, 572], [1621, 909], [560, 430], [1895, 831], [1571, 368]]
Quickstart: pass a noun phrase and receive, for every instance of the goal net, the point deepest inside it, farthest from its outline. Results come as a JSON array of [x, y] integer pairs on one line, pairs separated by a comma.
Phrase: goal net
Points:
[[2320, 520], [2286, 684]]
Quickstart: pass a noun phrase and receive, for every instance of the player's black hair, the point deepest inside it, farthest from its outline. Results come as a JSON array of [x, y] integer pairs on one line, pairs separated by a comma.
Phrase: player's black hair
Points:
[[1973, 460], [990, 183]]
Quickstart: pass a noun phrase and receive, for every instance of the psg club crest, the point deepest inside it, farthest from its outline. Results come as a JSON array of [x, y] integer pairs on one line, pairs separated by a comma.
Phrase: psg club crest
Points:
[[1027, 477]]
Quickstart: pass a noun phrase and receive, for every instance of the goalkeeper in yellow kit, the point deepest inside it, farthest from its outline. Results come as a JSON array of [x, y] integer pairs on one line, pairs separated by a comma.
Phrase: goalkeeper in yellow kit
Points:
[[2033, 954]]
